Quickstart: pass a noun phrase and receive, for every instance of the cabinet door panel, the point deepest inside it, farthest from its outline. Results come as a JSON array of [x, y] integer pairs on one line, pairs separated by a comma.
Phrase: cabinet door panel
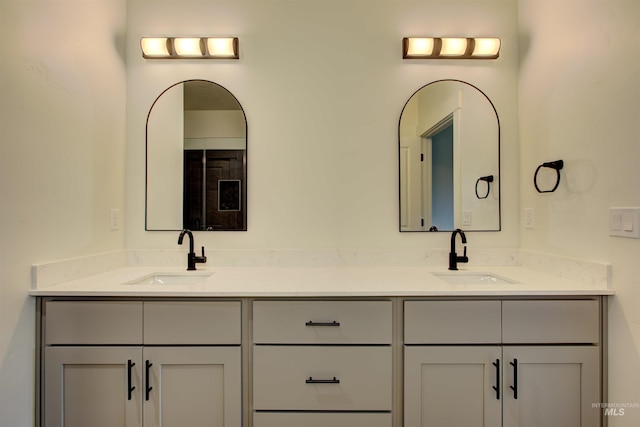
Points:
[[88, 386], [193, 387], [451, 387], [556, 386]]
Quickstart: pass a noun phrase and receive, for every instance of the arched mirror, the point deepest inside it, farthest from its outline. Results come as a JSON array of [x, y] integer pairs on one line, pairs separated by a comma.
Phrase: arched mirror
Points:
[[449, 152], [196, 159]]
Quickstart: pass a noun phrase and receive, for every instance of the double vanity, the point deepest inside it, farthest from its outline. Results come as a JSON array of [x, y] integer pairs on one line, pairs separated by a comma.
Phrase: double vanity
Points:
[[319, 346]]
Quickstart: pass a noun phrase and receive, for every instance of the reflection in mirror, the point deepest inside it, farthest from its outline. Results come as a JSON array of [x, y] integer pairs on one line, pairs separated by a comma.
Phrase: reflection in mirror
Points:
[[196, 159], [449, 142]]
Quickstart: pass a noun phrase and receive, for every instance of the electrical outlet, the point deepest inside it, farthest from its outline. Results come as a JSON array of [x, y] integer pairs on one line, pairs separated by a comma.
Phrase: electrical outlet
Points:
[[529, 218], [466, 218], [114, 219]]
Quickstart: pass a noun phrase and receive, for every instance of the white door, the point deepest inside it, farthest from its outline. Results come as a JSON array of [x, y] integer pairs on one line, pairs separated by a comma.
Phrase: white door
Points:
[[452, 386], [411, 184], [192, 387], [551, 386], [93, 386]]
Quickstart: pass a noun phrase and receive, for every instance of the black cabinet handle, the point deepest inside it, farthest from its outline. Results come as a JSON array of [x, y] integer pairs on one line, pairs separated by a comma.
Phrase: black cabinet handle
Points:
[[514, 387], [130, 389], [147, 386], [334, 380], [312, 323], [497, 386]]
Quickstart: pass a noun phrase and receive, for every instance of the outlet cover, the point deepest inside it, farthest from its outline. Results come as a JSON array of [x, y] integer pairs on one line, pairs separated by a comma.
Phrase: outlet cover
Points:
[[114, 219], [624, 222], [466, 218], [529, 218]]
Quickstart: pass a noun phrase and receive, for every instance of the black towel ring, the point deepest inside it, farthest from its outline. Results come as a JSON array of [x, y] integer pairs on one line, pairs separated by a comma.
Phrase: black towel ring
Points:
[[557, 165], [488, 179]]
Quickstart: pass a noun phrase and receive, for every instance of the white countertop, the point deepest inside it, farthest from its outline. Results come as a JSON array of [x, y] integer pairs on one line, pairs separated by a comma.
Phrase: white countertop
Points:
[[320, 282]]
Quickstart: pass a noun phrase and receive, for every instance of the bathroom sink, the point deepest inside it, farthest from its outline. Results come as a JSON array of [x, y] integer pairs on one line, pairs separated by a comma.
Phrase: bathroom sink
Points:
[[171, 279], [468, 278]]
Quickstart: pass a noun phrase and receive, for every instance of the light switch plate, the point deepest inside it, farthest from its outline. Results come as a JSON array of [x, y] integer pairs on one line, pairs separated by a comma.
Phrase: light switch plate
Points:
[[624, 222]]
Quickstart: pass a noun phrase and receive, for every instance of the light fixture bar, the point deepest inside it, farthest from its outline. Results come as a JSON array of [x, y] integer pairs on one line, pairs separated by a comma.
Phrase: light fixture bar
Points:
[[450, 48], [190, 47]]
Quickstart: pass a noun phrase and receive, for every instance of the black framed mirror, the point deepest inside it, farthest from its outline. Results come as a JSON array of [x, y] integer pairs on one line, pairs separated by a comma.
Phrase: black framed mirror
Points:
[[196, 159], [449, 155]]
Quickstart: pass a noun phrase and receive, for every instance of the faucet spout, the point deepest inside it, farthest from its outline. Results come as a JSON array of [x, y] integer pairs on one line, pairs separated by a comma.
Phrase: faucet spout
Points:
[[454, 259], [192, 259]]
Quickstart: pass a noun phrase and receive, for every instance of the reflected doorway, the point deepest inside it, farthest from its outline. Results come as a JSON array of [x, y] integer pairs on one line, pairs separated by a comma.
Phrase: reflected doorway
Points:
[[442, 189]]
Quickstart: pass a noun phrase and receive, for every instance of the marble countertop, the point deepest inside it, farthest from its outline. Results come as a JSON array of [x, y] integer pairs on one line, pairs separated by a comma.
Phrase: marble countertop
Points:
[[319, 282]]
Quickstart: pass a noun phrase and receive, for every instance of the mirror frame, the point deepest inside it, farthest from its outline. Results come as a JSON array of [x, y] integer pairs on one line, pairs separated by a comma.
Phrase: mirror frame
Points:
[[499, 180], [243, 188]]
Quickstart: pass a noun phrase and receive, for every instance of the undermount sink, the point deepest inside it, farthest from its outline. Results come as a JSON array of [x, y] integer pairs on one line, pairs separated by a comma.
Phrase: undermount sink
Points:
[[171, 279], [469, 278]]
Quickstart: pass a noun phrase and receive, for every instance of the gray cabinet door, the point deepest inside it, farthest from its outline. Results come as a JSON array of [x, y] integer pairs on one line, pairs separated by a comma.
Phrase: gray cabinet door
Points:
[[193, 387], [90, 386], [452, 386], [556, 386]]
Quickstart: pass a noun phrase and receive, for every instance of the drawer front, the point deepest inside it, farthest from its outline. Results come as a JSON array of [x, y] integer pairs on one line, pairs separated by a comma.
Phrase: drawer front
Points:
[[322, 378], [322, 322], [531, 322], [310, 419], [192, 322], [452, 322], [93, 322]]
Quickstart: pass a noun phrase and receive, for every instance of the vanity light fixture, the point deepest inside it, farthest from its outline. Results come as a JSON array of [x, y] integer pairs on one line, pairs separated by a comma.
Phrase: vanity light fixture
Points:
[[190, 47], [450, 48]]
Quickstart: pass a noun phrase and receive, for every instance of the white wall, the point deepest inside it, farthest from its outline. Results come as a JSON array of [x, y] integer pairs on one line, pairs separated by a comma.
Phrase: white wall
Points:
[[322, 84], [62, 146], [579, 100]]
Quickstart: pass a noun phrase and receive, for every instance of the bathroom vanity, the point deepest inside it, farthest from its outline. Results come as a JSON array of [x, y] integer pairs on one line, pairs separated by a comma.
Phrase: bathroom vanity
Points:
[[346, 347]]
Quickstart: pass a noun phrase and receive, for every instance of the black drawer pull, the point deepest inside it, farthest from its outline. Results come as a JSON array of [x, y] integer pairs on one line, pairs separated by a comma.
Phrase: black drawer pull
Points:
[[130, 365], [514, 387], [312, 323], [331, 381], [497, 386], [147, 387]]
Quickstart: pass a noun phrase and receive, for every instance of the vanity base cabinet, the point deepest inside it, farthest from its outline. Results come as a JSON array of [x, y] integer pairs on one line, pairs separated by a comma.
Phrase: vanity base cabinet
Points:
[[553, 386], [133, 375], [320, 363], [452, 386], [552, 382]]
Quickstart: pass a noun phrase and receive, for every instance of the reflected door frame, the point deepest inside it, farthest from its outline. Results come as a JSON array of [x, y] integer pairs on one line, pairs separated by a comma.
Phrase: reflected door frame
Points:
[[453, 119]]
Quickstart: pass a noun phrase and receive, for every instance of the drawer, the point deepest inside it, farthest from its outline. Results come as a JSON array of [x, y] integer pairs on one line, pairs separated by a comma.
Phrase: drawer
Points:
[[561, 321], [93, 322], [311, 378], [324, 419], [452, 322], [322, 322], [192, 322]]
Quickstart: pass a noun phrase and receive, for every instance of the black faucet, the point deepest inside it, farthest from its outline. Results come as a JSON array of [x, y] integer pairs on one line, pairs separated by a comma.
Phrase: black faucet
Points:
[[454, 259], [192, 259]]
